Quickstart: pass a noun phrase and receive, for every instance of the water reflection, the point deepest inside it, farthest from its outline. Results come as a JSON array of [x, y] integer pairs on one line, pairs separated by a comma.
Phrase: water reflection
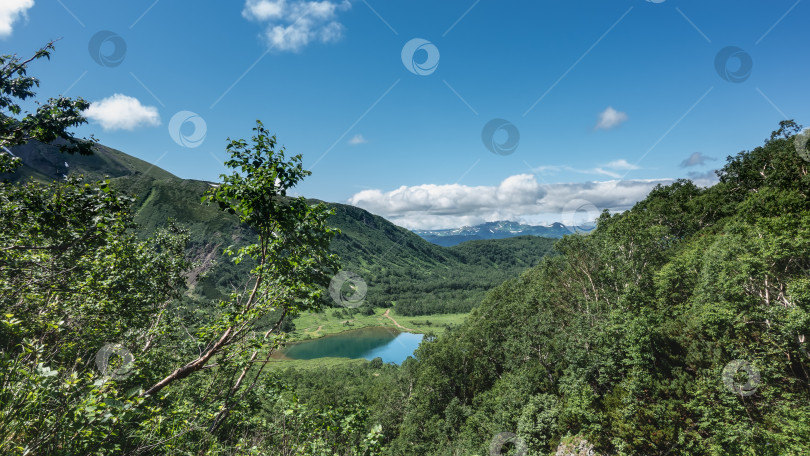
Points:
[[387, 343]]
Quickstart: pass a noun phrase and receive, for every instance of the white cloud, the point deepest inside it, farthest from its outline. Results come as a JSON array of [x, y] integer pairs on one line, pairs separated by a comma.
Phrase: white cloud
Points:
[[357, 139], [621, 164], [518, 197], [120, 112], [293, 24], [610, 118], [607, 169], [612, 167], [10, 12], [605, 172], [696, 159], [263, 10]]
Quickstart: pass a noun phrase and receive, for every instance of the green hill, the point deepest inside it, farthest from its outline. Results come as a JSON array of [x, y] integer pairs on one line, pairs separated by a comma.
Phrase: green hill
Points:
[[400, 268]]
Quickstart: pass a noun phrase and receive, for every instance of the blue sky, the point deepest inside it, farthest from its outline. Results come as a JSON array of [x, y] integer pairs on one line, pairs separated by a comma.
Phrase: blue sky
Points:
[[607, 98]]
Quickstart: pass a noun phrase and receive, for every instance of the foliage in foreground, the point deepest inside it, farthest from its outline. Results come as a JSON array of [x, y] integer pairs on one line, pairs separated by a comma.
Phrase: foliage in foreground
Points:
[[93, 317], [98, 355]]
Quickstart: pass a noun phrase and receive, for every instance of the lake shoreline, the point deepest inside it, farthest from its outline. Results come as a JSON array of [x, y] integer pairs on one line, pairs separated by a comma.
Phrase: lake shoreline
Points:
[[388, 343], [312, 326]]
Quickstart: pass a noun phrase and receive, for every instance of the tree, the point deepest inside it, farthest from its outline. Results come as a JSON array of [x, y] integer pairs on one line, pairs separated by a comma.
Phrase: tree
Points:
[[92, 314], [291, 257], [73, 278], [49, 123], [80, 295]]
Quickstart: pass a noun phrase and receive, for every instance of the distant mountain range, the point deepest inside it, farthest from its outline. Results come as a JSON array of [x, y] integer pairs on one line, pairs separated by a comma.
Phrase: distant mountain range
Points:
[[496, 230]]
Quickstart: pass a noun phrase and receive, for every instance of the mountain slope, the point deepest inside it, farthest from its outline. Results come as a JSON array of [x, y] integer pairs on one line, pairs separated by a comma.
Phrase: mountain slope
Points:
[[44, 162], [400, 268]]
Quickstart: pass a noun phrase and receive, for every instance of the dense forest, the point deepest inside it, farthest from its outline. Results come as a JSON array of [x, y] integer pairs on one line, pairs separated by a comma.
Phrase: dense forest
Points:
[[677, 327]]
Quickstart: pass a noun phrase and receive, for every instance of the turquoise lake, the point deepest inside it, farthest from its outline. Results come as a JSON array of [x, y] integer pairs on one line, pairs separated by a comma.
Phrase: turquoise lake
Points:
[[369, 343]]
